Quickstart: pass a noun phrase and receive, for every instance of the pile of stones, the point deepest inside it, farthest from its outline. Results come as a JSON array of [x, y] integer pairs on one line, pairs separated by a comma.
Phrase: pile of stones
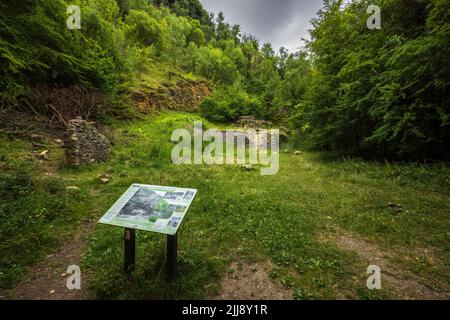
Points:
[[84, 144]]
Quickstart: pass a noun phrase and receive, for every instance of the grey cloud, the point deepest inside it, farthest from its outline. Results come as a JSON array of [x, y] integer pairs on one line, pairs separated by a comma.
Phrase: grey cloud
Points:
[[281, 22]]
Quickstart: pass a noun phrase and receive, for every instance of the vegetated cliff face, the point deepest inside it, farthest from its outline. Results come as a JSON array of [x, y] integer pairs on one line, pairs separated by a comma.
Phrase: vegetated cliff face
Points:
[[184, 95]]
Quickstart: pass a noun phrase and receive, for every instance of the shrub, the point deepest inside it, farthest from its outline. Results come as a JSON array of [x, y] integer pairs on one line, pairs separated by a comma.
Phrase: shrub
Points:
[[65, 103], [228, 105]]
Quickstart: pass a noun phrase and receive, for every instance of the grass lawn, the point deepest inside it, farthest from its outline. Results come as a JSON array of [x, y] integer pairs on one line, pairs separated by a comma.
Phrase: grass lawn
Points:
[[241, 216]]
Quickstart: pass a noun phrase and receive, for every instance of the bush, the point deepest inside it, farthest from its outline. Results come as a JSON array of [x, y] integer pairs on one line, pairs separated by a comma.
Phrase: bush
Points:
[[65, 103], [213, 64], [197, 36], [228, 105]]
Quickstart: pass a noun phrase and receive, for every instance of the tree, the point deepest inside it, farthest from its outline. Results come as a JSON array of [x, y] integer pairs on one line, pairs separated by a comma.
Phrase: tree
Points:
[[379, 92], [143, 28]]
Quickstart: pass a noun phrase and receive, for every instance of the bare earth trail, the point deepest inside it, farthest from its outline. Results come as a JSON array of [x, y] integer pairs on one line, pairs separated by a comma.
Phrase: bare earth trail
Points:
[[403, 284], [47, 279], [245, 281]]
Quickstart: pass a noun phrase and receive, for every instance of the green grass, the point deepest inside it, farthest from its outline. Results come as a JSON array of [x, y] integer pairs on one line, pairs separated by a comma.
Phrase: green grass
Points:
[[36, 210], [156, 74], [243, 216]]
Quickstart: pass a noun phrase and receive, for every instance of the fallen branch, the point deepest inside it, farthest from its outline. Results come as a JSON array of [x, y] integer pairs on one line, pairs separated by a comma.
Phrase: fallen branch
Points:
[[58, 114], [31, 107]]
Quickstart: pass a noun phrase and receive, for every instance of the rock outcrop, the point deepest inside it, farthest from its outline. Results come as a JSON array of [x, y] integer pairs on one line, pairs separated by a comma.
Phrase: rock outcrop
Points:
[[181, 96]]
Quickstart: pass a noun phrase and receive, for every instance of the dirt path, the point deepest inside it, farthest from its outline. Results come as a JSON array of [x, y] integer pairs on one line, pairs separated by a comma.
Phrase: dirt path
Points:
[[243, 281], [47, 279], [251, 282], [404, 284]]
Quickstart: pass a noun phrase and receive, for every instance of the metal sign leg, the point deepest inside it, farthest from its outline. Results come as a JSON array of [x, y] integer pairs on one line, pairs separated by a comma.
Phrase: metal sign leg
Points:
[[172, 248], [130, 250]]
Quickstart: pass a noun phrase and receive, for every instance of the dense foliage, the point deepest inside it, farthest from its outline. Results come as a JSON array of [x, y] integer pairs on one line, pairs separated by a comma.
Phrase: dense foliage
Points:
[[383, 92], [368, 92]]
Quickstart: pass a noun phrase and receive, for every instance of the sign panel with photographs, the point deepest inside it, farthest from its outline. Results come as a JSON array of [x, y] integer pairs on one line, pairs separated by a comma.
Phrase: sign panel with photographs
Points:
[[150, 208]]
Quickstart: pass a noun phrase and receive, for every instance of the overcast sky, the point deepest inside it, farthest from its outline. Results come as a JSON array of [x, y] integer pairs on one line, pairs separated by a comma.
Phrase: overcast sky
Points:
[[281, 22]]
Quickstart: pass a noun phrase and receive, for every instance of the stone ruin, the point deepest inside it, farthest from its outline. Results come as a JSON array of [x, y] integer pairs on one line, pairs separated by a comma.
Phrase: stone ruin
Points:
[[253, 123], [250, 122], [84, 144], [259, 140]]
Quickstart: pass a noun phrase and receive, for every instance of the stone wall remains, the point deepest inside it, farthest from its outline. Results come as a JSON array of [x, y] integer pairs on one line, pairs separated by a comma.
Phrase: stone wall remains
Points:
[[84, 144]]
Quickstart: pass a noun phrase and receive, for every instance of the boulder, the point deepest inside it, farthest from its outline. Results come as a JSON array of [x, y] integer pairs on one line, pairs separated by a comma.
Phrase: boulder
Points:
[[104, 178], [395, 207], [43, 155], [59, 142]]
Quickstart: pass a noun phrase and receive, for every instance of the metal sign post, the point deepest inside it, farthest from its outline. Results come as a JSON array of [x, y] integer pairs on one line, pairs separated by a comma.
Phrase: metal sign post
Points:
[[154, 209], [172, 251], [130, 250]]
